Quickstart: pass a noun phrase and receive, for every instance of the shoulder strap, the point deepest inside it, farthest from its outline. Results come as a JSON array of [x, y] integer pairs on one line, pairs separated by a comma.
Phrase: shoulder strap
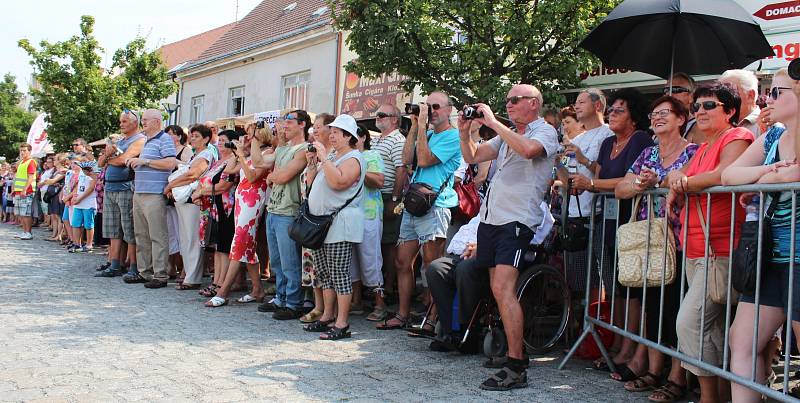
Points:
[[703, 225]]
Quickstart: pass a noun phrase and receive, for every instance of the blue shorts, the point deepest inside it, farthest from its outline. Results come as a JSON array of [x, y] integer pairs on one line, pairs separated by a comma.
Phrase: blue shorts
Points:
[[82, 217], [426, 228], [65, 214]]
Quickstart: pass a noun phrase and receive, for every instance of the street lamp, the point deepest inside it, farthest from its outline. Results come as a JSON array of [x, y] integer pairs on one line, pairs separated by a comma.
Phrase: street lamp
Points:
[[171, 109]]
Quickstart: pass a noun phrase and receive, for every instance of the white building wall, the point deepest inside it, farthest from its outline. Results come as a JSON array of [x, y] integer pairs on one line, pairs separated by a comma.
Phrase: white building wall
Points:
[[262, 82]]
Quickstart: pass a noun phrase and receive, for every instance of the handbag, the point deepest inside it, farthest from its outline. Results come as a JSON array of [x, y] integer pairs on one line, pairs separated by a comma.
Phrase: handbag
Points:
[[633, 250], [420, 197], [469, 203], [52, 191], [183, 193], [575, 235], [212, 227], [310, 230], [717, 270]]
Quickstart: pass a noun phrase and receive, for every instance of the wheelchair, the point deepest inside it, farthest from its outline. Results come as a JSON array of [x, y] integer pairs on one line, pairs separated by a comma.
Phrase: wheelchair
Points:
[[546, 306]]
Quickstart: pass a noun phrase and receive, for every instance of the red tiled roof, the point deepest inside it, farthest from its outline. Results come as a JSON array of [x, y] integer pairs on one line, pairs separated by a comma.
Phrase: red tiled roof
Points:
[[192, 47], [266, 22]]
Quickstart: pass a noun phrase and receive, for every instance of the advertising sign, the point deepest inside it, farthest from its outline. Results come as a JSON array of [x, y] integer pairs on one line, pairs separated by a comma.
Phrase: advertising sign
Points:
[[363, 96]]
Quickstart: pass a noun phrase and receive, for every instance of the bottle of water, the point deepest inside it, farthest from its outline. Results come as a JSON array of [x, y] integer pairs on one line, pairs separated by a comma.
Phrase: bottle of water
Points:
[[572, 163], [751, 210]]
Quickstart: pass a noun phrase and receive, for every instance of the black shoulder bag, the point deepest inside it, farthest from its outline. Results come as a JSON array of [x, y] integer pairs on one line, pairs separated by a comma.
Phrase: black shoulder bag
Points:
[[574, 235], [745, 256], [420, 197], [311, 230]]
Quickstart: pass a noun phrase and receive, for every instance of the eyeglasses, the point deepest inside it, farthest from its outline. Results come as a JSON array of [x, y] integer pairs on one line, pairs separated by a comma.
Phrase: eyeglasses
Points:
[[659, 114], [618, 110], [381, 115], [516, 98], [676, 90], [775, 92], [707, 105]]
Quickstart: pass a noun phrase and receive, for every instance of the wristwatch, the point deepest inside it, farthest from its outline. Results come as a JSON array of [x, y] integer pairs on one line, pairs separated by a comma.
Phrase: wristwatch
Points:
[[395, 198]]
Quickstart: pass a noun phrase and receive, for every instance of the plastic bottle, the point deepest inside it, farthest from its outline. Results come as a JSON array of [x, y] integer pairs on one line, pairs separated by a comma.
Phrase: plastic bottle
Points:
[[751, 210], [572, 164]]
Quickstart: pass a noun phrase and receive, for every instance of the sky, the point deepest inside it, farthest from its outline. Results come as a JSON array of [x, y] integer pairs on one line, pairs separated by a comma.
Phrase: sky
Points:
[[117, 22]]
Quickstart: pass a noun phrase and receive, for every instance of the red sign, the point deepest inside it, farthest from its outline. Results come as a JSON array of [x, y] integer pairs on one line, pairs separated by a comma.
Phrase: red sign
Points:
[[363, 96], [779, 10]]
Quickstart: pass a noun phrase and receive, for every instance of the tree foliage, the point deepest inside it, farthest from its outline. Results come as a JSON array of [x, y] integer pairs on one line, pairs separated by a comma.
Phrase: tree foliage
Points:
[[82, 99], [14, 121], [472, 49]]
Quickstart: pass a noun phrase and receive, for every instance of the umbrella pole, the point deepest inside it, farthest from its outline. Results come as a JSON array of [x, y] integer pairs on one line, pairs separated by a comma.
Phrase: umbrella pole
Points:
[[671, 64]]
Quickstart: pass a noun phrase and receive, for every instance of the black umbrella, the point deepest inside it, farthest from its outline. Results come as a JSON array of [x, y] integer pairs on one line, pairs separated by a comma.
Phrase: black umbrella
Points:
[[691, 36]]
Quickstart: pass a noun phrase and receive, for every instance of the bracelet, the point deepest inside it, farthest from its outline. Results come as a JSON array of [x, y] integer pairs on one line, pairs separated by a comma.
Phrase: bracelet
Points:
[[591, 183]]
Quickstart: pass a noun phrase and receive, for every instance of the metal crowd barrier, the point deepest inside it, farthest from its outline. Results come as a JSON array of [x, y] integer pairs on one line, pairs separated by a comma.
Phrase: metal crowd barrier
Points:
[[592, 320]]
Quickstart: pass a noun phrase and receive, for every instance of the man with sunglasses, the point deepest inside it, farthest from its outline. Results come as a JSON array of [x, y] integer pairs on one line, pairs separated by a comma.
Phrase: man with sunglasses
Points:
[[118, 201], [152, 167], [282, 208], [395, 176], [745, 83], [510, 212], [682, 89], [434, 155]]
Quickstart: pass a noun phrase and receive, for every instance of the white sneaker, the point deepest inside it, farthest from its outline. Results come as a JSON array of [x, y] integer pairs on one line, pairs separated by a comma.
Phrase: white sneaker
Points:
[[26, 236], [19, 235]]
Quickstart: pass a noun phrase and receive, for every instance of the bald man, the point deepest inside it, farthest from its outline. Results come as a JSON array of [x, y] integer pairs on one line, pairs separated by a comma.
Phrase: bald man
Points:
[[510, 213], [152, 167]]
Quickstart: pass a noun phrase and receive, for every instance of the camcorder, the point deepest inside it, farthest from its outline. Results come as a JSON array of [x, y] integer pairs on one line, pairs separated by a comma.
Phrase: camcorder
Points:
[[470, 112], [794, 69]]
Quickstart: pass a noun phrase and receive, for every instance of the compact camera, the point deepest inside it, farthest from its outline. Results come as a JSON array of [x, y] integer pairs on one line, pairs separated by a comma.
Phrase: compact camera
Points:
[[260, 124], [112, 142], [471, 112], [311, 148], [229, 144]]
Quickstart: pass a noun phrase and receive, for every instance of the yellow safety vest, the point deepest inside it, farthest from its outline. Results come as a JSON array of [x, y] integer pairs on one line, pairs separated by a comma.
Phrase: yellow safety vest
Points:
[[22, 177]]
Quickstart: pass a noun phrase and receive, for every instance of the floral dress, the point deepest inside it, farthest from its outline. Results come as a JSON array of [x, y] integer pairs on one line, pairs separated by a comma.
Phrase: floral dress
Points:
[[250, 199], [228, 198], [99, 190]]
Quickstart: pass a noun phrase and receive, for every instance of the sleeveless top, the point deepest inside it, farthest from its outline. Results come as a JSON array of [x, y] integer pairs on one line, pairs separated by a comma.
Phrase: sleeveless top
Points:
[[348, 225]]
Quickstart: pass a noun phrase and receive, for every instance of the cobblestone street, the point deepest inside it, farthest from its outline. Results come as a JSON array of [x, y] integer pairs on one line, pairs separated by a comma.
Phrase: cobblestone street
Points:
[[66, 336]]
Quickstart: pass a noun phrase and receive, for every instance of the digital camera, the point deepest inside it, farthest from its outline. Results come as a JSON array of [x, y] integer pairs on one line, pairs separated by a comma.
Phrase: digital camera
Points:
[[471, 112]]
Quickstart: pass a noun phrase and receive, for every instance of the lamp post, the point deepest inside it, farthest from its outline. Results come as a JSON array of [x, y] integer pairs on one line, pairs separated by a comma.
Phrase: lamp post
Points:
[[171, 109]]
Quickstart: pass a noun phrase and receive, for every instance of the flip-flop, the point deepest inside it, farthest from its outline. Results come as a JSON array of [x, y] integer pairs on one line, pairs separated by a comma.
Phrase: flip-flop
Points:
[[216, 302], [247, 298]]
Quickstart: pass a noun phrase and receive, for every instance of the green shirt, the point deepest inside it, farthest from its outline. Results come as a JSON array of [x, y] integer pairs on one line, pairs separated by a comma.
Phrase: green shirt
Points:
[[372, 202], [285, 199]]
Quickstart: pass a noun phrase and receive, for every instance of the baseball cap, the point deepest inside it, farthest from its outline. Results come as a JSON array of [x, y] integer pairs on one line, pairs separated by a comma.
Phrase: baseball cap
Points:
[[346, 123]]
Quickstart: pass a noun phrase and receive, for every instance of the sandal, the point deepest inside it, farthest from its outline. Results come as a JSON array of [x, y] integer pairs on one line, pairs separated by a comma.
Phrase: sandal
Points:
[[625, 373], [216, 302], [209, 291], [646, 382], [335, 333], [311, 317], [670, 392], [318, 326], [247, 298], [393, 316], [377, 315], [423, 331], [184, 286], [506, 379]]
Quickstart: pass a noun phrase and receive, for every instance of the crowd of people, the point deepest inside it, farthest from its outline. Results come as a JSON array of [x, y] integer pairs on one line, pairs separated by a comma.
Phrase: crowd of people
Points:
[[180, 204]]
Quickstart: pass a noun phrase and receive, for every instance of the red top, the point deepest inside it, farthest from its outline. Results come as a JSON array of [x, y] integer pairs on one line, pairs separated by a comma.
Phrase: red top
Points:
[[707, 159]]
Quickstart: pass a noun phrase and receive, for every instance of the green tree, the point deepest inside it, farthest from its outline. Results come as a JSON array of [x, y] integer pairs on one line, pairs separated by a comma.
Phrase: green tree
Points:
[[472, 49], [82, 99], [14, 121]]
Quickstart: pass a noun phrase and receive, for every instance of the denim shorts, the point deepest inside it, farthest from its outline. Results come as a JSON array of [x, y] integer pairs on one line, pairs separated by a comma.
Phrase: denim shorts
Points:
[[426, 228]]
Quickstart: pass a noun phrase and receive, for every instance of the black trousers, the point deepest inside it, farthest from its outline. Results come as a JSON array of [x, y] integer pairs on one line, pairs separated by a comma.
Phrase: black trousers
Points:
[[449, 276]]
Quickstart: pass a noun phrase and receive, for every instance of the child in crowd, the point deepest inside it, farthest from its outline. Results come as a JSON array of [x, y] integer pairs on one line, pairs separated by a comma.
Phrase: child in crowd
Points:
[[70, 186], [84, 204], [7, 181]]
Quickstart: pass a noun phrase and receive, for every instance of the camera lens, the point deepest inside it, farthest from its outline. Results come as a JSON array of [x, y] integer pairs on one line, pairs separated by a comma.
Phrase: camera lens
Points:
[[794, 69], [471, 112], [229, 144], [311, 148], [412, 109]]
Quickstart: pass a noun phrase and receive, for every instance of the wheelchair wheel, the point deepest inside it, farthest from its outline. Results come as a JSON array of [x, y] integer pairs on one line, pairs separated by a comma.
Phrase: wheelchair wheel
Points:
[[545, 300], [494, 343]]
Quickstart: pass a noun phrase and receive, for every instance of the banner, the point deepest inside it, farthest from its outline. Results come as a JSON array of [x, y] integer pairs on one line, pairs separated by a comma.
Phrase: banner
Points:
[[37, 137], [269, 117]]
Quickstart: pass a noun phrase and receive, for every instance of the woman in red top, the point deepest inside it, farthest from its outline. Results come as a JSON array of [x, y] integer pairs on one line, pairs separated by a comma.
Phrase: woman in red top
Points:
[[716, 109]]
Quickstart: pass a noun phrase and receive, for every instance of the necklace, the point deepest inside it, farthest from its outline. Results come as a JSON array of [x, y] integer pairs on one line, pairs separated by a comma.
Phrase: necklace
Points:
[[620, 144], [664, 156]]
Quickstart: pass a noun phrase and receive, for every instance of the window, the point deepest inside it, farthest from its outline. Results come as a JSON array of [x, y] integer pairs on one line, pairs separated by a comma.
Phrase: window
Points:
[[295, 90], [197, 109], [236, 101]]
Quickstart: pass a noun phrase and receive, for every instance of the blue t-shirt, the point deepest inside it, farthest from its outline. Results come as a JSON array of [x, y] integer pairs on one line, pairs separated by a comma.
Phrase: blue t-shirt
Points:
[[117, 177], [151, 180], [446, 147]]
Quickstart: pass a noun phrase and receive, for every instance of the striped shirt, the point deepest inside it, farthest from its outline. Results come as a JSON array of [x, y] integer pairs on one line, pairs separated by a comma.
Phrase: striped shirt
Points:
[[390, 148], [151, 180]]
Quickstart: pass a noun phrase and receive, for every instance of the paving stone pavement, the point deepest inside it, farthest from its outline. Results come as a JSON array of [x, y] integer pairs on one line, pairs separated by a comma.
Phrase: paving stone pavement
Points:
[[66, 336]]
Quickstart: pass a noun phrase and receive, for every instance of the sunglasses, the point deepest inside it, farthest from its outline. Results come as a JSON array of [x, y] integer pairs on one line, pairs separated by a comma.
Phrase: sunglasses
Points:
[[676, 90], [659, 114], [617, 110], [127, 111], [707, 105], [381, 115], [291, 117], [775, 92], [515, 99]]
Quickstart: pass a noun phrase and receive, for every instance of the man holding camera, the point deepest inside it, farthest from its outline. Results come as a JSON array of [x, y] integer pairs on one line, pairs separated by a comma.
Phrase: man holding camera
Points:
[[510, 212], [152, 168], [282, 208], [118, 200], [435, 155]]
